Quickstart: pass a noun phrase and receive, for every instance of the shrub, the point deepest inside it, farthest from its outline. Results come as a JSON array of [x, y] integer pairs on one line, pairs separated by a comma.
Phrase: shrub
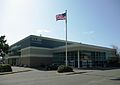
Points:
[[52, 67], [5, 68], [63, 68]]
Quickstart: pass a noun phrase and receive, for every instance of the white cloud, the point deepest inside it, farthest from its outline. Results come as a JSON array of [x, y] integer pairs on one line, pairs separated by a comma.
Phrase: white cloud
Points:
[[43, 31]]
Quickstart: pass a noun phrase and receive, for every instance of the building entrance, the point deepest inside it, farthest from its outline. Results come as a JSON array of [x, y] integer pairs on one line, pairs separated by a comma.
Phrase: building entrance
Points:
[[71, 61]]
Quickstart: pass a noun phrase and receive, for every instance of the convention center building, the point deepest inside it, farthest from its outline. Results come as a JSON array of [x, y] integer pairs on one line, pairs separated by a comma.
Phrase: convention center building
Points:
[[34, 51]]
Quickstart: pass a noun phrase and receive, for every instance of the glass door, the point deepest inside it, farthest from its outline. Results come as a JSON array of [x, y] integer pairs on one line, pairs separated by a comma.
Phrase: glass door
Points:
[[72, 61]]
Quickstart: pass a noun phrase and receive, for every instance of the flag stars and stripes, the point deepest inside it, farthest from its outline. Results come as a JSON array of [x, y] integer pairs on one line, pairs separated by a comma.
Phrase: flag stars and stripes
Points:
[[61, 16]]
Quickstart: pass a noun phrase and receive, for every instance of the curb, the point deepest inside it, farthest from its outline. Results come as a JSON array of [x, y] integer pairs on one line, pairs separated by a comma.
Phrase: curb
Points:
[[75, 73], [5, 73]]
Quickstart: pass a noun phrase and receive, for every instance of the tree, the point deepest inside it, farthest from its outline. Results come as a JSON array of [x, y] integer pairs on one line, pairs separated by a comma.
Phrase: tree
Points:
[[115, 59], [4, 47], [116, 48]]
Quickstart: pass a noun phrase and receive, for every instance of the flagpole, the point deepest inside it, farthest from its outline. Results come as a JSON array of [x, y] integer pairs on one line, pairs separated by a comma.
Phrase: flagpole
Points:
[[66, 39]]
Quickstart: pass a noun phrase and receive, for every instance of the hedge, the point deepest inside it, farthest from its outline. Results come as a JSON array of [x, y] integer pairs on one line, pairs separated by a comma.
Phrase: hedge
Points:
[[5, 68], [63, 68]]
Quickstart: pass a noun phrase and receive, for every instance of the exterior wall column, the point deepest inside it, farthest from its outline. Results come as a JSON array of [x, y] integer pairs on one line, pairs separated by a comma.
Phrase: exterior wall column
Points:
[[78, 59]]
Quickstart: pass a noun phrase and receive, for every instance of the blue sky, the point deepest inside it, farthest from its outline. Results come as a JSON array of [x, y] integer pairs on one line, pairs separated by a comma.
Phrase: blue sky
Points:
[[95, 22]]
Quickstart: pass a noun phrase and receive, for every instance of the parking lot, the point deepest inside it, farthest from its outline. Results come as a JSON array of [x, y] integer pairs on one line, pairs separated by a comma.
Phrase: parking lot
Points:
[[80, 77]]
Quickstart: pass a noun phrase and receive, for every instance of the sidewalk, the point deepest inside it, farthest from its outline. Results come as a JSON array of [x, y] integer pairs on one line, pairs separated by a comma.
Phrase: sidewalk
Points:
[[16, 70], [25, 69]]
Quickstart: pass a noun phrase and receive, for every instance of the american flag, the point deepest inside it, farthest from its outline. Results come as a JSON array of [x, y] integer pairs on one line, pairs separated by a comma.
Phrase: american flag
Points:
[[61, 16]]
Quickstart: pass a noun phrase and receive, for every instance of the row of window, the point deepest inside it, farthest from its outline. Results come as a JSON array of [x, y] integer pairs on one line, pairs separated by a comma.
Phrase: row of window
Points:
[[98, 56], [82, 53]]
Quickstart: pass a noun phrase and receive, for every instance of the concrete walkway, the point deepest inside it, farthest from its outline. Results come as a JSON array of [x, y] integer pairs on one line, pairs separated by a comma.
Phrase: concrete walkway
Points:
[[25, 69], [16, 70]]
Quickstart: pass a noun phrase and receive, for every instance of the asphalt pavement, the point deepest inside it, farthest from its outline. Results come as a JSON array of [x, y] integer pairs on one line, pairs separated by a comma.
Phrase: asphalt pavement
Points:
[[79, 77]]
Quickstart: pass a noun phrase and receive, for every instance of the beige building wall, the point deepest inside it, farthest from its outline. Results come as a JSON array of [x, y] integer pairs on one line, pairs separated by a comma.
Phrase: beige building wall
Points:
[[81, 47], [36, 56], [25, 57]]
